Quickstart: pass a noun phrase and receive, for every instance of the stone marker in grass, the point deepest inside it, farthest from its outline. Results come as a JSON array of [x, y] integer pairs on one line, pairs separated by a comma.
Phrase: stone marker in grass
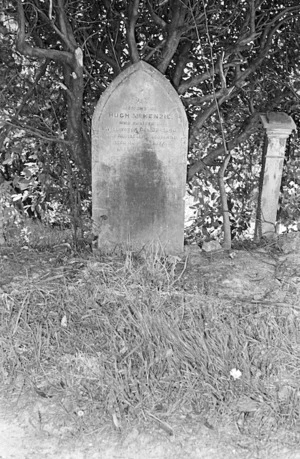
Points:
[[139, 152], [278, 128]]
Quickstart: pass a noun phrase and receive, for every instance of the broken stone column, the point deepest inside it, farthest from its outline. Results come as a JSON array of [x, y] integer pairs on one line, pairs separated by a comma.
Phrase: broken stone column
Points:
[[278, 127]]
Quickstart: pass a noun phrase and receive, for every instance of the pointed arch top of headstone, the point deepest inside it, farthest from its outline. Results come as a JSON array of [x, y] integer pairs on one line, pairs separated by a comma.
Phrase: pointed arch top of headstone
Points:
[[150, 73]]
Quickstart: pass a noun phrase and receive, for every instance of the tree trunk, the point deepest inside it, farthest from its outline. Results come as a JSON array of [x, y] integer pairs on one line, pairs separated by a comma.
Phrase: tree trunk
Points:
[[224, 204], [79, 149], [71, 60]]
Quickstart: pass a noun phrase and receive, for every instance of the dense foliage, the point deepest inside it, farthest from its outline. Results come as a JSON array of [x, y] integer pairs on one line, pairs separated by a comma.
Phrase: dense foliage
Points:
[[228, 60]]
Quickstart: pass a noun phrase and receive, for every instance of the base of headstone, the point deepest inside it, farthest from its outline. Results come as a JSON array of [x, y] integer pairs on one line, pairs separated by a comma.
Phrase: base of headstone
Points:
[[103, 247]]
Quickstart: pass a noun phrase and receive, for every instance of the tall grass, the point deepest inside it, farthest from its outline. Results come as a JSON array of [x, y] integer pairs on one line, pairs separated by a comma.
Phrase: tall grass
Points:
[[122, 342]]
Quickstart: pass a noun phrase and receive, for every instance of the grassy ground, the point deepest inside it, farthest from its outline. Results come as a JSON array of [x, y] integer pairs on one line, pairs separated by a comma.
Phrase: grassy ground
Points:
[[120, 342]]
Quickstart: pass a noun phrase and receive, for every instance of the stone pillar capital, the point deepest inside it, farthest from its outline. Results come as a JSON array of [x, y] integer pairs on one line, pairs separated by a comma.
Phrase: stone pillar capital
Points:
[[278, 124]]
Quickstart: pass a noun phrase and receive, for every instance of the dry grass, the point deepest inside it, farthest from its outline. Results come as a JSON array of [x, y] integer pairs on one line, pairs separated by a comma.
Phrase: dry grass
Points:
[[121, 342], [35, 234]]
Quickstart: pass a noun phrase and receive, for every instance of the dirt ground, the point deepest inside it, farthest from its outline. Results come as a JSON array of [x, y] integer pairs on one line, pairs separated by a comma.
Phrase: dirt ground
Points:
[[265, 275], [19, 442], [20, 438]]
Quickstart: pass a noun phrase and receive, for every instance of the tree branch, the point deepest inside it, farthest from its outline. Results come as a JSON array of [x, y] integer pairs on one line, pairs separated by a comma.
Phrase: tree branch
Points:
[[154, 50], [265, 44], [62, 20], [252, 16], [197, 79], [39, 53], [181, 62], [156, 19], [38, 133], [242, 134], [199, 100], [241, 77], [268, 43], [224, 203], [133, 14], [175, 30], [267, 35], [202, 117], [65, 27]]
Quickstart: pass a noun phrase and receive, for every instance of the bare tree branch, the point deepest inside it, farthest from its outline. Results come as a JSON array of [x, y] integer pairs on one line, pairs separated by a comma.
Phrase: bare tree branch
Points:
[[133, 14], [242, 134], [221, 71], [224, 203], [252, 16], [202, 117], [38, 133], [265, 44], [241, 77], [268, 43], [195, 81], [182, 60], [175, 30], [269, 32], [155, 50], [207, 97], [157, 19], [101, 55], [40, 53], [62, 20]]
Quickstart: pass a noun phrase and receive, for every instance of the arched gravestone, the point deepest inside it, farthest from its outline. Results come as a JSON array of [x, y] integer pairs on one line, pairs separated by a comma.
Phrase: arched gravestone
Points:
[[139, 154]]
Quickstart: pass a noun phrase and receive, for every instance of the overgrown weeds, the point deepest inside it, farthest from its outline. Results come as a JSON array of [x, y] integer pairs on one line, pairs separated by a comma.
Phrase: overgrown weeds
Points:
[[123, 342], [35, 234]]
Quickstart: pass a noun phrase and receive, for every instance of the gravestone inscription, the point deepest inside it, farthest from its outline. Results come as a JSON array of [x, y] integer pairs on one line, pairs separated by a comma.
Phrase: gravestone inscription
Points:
[[139, 154]]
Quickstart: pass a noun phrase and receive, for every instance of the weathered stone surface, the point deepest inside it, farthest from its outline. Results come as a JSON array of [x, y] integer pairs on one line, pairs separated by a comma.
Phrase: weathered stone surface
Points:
[[139, 148], [278, 123], [211, 246], [278, 127]]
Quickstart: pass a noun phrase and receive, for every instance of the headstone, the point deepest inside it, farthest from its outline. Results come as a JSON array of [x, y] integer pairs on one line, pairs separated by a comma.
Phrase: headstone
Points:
[[278, 127], [139, 155]]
